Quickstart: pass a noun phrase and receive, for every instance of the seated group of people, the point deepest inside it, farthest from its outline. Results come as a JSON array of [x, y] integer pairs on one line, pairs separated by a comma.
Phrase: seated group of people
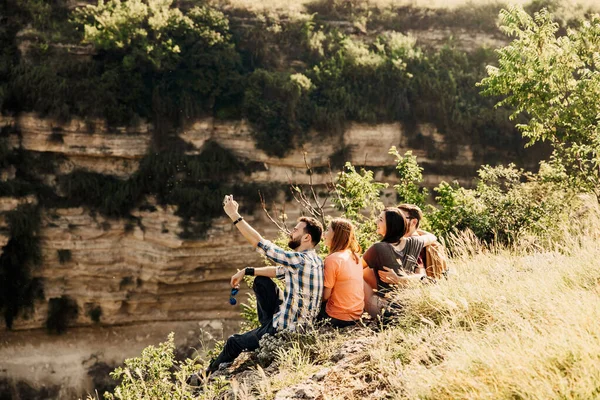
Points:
[[337, 290]]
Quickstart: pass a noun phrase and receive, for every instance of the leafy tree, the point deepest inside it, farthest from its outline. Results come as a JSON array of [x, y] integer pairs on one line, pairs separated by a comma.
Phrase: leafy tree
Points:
[[555, 82], [410, 175], [184, 62], [357, 195], [149, 30]]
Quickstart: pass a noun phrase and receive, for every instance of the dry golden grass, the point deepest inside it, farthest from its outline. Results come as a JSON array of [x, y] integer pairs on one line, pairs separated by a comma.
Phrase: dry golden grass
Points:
[[508, 326], [514, 327]]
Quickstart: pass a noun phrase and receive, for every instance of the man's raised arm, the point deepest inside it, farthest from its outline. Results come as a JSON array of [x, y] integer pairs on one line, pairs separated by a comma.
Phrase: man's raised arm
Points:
[[231, 208]]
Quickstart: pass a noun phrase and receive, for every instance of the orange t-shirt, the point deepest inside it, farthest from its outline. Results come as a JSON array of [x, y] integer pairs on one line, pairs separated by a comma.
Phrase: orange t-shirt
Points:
[[345, 278]]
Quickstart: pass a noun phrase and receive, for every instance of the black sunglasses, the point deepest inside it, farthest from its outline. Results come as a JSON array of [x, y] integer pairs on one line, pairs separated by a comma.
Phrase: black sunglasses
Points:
[[232, 299]]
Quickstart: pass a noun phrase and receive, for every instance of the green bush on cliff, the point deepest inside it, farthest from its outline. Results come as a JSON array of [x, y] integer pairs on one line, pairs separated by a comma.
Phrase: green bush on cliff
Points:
[[182, 64], [187, 57], [277, 106], [362, 83], [179, 66], [151, 31], [508, 206]]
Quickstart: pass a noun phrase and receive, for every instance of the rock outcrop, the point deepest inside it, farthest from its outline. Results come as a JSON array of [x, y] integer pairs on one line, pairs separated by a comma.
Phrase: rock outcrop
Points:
[[140, 269]]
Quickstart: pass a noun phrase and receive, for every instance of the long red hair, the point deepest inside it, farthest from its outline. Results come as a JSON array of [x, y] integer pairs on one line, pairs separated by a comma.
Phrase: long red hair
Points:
[[344, 237]]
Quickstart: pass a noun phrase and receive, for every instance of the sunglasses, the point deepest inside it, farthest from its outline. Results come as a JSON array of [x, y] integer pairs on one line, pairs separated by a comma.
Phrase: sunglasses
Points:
[[232, 299]]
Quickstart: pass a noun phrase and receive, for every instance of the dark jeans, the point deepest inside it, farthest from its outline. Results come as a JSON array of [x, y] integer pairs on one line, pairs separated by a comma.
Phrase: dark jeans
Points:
[[336, 323], [267, 303]]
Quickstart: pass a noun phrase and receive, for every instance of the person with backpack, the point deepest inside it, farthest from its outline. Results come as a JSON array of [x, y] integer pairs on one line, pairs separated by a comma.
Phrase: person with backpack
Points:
[[433, 258], [392, 262]]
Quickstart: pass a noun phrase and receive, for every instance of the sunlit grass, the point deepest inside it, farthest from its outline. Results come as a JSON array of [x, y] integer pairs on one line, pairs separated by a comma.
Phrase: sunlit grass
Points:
[[508, 326], [512, 323]]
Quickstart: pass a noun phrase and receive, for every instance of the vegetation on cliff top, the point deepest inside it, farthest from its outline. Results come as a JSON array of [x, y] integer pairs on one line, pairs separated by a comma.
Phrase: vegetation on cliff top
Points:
[[286, 74]]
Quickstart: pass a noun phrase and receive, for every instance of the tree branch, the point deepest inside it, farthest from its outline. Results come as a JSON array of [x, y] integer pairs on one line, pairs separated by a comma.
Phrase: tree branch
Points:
[[281, 226]]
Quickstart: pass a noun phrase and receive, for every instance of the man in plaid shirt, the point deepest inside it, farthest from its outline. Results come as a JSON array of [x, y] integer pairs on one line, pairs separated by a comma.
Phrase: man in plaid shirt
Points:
[[302, 270]]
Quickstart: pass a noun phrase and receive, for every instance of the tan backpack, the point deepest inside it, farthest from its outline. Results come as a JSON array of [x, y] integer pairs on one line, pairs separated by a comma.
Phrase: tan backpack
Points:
[[436, 260]]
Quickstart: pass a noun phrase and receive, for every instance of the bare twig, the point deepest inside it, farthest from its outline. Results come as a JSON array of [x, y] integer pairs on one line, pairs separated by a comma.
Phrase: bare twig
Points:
[[317, 206], [280, 225], [335, 189], [309, 203], [304, 201]]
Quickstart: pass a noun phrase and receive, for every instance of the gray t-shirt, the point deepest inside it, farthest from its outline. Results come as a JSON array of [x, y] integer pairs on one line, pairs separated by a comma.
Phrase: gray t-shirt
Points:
[[382, 254]]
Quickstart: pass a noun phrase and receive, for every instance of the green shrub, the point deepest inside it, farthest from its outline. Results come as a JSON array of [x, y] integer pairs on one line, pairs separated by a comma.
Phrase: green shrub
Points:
[[362, 83], [149, 31], [249, 314], [277, 106], [410, 175], [56, 85], [357, 195], [186, 66], [155, 374], [443, 92], [507, 205]]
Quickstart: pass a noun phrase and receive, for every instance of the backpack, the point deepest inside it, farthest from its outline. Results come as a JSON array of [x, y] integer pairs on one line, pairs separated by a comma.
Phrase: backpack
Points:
[[436, 261]]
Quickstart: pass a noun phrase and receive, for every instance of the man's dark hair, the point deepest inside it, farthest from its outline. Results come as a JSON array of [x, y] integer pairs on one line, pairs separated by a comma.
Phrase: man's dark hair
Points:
[[395, 225], [313, 228], [414, 212]]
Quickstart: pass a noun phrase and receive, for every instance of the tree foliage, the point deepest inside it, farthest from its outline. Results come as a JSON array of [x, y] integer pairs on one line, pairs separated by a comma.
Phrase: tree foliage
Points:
[[358, 197], [150, 30], [507, 205], [410, 176], [554, 80]]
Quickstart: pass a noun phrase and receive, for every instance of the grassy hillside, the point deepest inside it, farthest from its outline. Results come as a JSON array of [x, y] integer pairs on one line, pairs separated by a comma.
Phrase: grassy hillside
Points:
[[510, 324]]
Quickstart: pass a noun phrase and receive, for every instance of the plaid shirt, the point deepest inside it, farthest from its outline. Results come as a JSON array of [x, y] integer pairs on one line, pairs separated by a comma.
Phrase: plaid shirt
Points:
[[303, 274]]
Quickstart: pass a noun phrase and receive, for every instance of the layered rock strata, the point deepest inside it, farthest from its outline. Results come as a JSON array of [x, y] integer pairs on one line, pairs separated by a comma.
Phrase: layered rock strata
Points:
[[140, 269]]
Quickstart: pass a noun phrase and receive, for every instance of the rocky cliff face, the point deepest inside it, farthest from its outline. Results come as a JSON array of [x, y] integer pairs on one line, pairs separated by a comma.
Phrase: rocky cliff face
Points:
[[142, 270]]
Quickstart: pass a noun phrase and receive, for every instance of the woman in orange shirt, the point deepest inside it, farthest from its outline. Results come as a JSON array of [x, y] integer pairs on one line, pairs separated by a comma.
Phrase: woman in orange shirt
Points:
[[343, 275]]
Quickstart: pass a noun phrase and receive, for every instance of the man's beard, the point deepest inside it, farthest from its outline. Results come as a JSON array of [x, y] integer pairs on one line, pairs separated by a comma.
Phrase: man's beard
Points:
[[294, 244]]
